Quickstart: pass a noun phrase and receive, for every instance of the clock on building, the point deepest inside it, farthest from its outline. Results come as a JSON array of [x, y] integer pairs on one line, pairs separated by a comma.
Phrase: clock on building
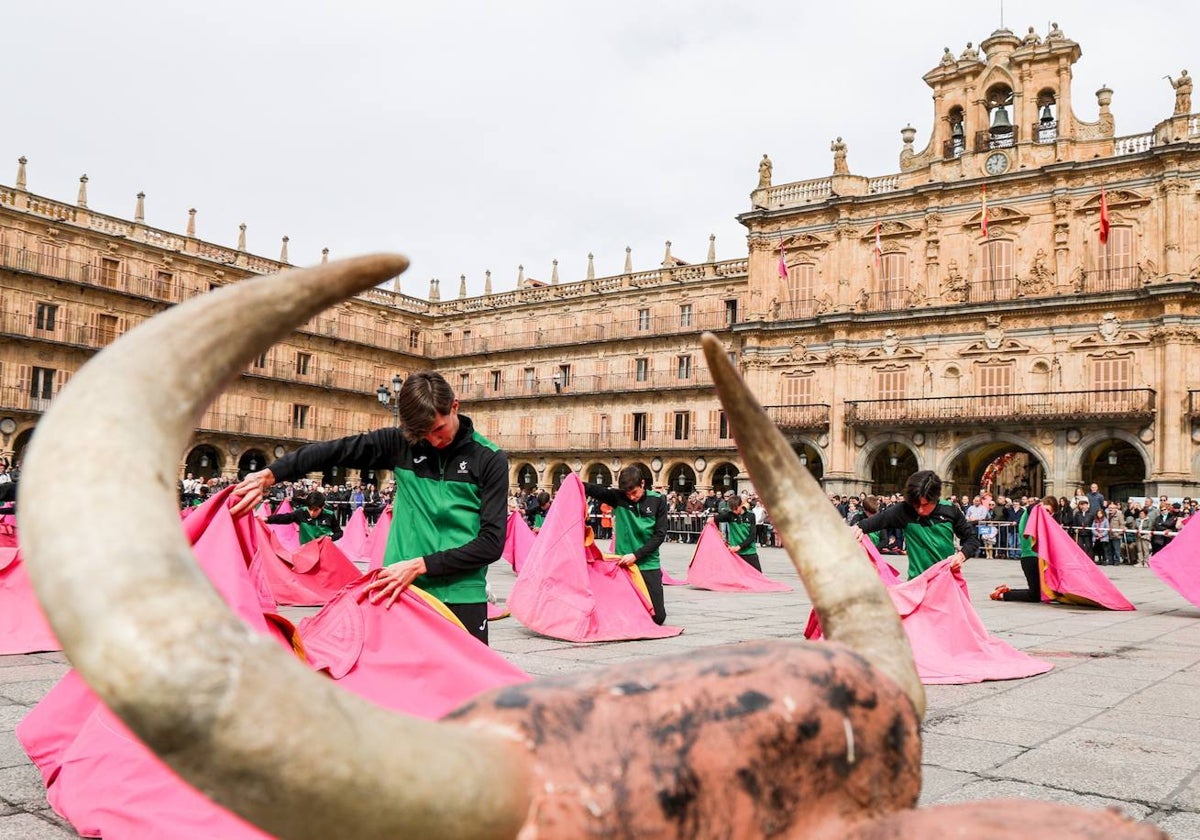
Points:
[[996, 163]]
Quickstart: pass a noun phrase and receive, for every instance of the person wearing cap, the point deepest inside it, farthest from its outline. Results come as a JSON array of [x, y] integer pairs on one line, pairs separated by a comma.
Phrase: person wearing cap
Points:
[[640, 518], [740, 527], [929, 524]]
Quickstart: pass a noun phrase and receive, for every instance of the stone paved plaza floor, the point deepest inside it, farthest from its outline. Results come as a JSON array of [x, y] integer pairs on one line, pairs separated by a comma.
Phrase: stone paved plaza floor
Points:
[[1115, 723]]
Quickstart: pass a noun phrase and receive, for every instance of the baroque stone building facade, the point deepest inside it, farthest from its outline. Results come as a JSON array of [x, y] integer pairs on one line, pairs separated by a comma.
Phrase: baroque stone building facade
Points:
[[961, 315]]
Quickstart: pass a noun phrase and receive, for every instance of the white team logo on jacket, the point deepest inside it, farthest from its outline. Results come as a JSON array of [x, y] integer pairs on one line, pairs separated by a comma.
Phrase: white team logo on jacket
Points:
[[462, 467]]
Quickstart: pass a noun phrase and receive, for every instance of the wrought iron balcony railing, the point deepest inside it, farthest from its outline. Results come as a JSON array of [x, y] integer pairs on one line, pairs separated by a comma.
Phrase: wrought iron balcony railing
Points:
[[610, 383], [985, 140], [665, 441], [801, 417], [1005, 409]]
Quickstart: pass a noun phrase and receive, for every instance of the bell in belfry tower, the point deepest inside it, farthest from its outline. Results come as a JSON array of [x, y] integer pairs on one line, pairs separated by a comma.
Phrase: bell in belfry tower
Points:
[[956, 131], [1047, 117], [1000, 122]]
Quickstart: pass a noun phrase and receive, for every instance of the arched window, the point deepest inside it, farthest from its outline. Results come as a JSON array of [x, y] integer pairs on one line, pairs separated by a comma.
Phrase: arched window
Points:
[[1045, 130], [957, 144]]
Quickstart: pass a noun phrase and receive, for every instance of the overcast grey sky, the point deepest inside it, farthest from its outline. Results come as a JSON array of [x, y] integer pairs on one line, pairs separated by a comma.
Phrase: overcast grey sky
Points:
[[475, 135]]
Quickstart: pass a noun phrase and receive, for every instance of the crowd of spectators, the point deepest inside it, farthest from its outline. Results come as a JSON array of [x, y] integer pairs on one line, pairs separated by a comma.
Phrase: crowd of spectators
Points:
[[1109, 532], [342, 499]]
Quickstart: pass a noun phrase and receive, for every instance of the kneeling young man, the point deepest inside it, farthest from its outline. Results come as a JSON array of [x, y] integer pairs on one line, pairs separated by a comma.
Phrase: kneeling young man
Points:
[[929, 525], [640, 518]]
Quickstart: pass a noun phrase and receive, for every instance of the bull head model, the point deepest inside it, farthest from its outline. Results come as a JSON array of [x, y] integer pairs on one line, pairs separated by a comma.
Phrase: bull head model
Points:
[[780, 739]]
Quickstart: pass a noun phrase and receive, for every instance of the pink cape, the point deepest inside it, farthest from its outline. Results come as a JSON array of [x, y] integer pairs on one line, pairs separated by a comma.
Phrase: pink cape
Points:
[[495, 612], [354, 537], [99, 777], [23, 626], [717, 567], [1176, 562], [306, 578], [949, 642], [288, 535], [1068, 574], [560, 594], [518, 539], [411, 658], [670, 581], [106, 783], [377, 540], [8, 531], [887, 574]]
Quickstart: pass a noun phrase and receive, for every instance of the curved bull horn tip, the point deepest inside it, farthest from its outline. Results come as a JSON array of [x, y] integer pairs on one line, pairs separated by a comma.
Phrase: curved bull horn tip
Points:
[[226, 708], [846, 592]]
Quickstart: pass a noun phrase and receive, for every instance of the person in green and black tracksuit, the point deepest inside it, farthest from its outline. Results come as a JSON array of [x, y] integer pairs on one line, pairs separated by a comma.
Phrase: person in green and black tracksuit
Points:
[[314, 520], [640, 519], [929, 525], [740, 527], [450, 507]]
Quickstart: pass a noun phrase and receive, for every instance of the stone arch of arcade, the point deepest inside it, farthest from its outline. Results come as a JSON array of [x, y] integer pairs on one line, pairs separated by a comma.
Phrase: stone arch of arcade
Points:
[[889, 461], [204, 461], [252, 460], [526, 476], [725, 476], [1117, 461], [558, 473], [1008, 464], [810, 456], [681, 478], [598, 473]]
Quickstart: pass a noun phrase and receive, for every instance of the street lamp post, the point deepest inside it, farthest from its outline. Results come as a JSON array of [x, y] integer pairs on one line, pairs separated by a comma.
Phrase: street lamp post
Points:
[[391, 397]]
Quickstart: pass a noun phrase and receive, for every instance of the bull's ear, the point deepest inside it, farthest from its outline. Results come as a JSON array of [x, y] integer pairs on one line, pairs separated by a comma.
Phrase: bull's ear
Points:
[[846, 592], [226, 708]]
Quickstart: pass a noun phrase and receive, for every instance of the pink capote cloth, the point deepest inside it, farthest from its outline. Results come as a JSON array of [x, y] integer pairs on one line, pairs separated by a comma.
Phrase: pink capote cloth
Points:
[[8, 531], [717, 567], [518, 539], [1068, 574], [1178, 563], [410, 658], [495, 612], [887, 574], [670, 581], [306, 578], [377, 540], [289, 534], [354, 537], [23, 626], [99, 777], [949, 642], [561, 595], [106, 783]]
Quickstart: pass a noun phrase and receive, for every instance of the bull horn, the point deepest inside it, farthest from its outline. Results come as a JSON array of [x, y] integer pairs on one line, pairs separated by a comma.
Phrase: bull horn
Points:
[[846, 592], [228, 709]]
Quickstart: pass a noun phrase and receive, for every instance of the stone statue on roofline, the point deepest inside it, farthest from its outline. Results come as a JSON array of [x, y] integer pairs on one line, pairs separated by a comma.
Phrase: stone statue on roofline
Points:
[[764, 172], [1183, 93]]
